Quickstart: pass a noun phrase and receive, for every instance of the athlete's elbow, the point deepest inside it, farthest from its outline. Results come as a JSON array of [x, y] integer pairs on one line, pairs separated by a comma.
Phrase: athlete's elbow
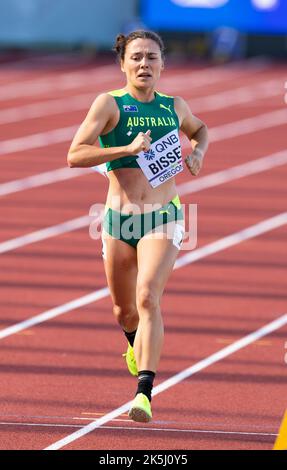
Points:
[[72, 159], [202, 128], [205, 127], [200, 133]]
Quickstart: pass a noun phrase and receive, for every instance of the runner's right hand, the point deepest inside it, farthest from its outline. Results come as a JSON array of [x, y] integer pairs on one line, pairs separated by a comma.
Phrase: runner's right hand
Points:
[[140, 143]]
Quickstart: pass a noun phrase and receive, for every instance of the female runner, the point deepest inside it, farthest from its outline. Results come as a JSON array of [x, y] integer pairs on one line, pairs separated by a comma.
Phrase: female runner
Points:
[[137, 127]]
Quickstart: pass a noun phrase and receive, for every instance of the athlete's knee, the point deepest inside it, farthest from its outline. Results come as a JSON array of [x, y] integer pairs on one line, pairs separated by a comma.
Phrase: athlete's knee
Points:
[[147, 298], [125, 313]]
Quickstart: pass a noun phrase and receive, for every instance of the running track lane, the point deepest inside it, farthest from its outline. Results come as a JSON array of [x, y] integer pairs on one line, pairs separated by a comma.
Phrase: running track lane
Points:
[[42, 377], [274, 299]]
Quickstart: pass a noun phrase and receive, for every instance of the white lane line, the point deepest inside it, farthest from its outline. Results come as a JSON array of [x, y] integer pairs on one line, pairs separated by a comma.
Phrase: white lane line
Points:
[[208, 181], [63, 82], [216, 133], [175, 379], [60, 174], [222, 132], [41, 425], [232, 240], [43, 234], [226, 99], [200, 253], [237, 96], [55, 312], [209, 76], [246, 126], [194, 431], [41, 179], [46, 108], [253, 428], [236, 172], [43, 63], [108, 73], [39, 140], [139, 428]]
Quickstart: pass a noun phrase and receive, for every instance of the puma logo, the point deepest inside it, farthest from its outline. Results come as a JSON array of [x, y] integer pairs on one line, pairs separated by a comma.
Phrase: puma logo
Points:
[[165, 107], [165, 211]]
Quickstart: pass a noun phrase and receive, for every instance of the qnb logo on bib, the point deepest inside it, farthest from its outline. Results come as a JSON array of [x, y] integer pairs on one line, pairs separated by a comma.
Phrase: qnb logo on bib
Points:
[[201, 3], [150, 155], [163, 160]]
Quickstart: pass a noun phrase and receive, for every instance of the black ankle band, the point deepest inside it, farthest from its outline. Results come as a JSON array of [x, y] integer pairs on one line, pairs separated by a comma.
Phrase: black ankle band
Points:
[[145, 382], [130, 336]]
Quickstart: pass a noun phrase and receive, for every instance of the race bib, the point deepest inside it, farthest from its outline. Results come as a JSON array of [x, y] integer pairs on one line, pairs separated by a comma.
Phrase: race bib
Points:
[[163, 160]]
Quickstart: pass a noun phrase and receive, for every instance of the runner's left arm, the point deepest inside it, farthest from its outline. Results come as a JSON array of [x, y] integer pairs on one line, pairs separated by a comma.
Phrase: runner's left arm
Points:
[[197, 133]]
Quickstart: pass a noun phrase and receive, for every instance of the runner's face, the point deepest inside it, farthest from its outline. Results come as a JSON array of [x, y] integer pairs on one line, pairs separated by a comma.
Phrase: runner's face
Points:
[[142, 63]]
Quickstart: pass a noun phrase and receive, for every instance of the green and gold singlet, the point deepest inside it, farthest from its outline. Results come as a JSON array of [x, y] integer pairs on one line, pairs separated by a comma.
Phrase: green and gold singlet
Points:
[[157, 115], [160, 118]]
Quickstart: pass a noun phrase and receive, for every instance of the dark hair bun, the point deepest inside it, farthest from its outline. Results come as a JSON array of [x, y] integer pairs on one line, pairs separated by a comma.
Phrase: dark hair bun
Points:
[[120, 43]]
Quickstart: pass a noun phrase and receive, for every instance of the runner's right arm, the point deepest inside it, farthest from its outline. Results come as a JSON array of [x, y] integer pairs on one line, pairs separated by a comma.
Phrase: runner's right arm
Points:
[[84, 153]]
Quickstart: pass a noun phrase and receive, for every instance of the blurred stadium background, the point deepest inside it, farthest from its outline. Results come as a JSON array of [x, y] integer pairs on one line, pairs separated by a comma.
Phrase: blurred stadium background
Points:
[[216, 29]]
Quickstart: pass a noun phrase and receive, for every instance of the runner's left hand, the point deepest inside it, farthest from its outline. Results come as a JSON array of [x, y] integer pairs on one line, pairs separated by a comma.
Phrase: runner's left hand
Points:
[[194, 162]]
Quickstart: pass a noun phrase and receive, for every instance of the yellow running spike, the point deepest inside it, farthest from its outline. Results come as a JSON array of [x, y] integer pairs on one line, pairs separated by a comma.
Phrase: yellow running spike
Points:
[[141, 409], [131, 361]]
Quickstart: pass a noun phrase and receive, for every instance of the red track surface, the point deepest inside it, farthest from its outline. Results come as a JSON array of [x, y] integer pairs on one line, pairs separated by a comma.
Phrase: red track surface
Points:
[[62, 374]]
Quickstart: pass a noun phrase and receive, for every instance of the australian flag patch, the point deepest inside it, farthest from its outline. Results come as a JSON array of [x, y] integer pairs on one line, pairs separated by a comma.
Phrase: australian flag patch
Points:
[[130, 108]]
